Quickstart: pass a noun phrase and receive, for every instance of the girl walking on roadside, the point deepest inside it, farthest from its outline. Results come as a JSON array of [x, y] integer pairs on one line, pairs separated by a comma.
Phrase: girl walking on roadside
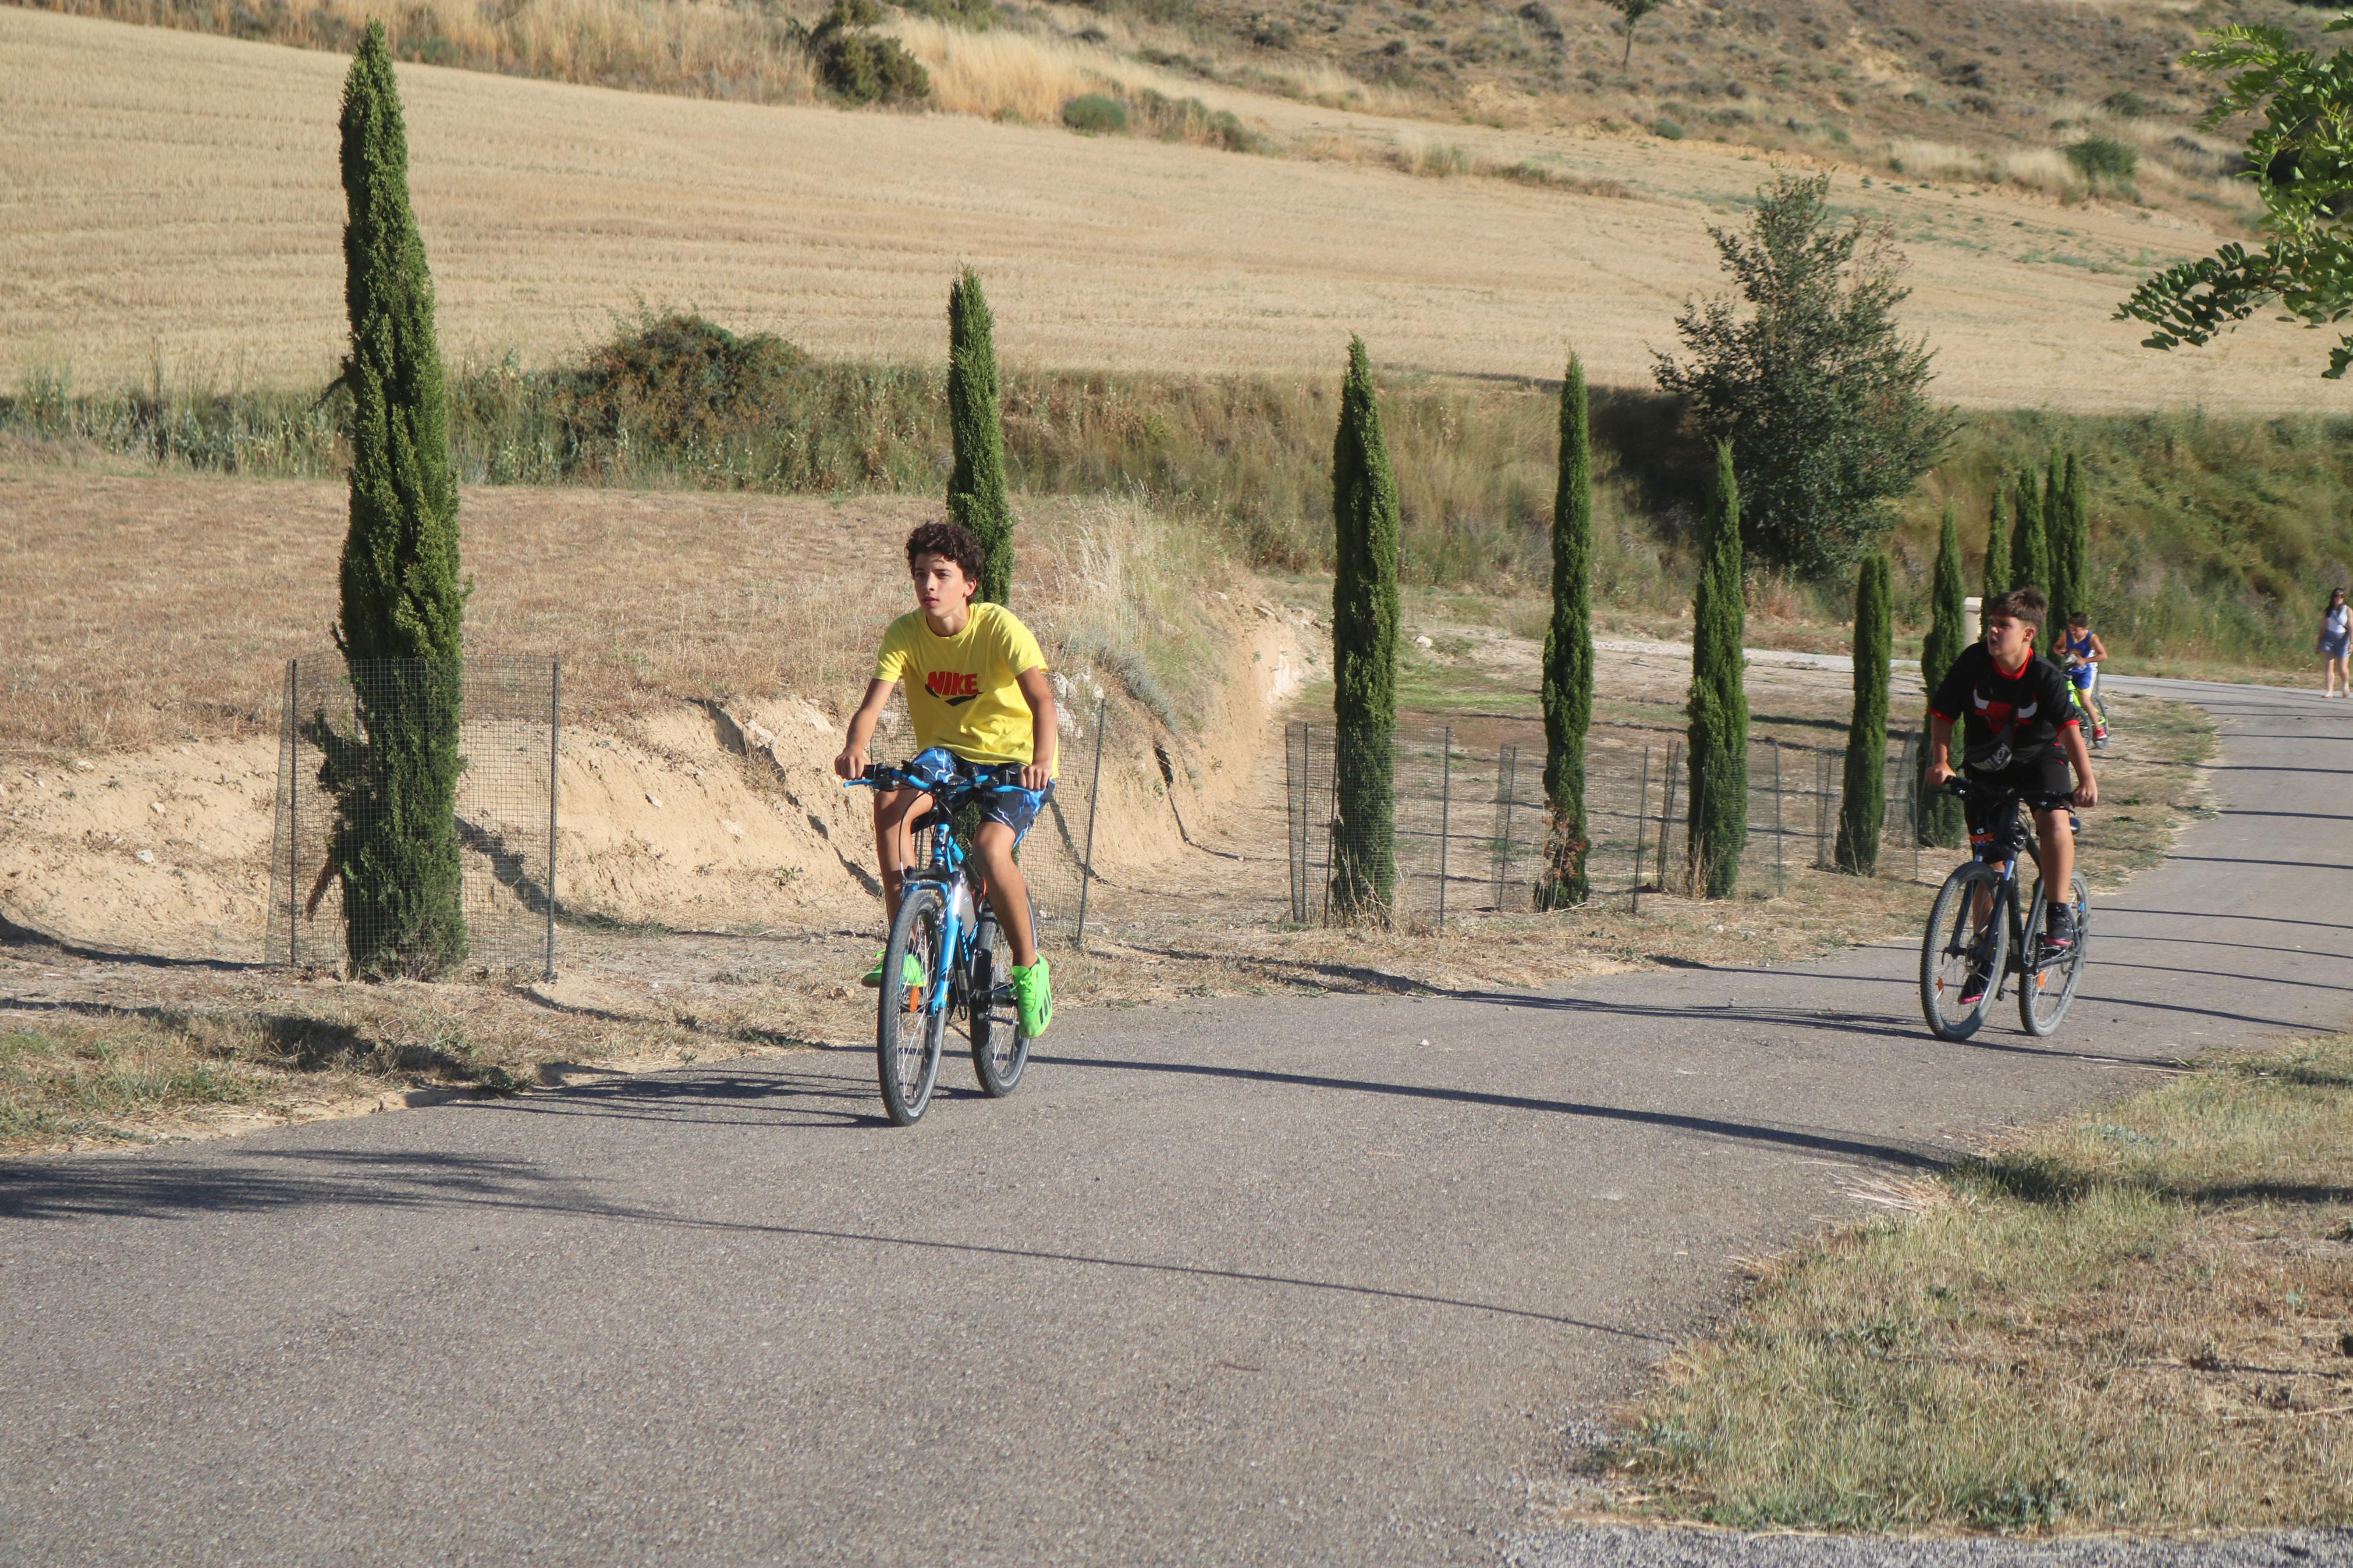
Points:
[[2335, 634]]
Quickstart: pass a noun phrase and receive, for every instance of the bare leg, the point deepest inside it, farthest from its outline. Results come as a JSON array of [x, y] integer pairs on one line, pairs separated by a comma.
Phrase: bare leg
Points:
[[1009, 893], [894, 844], [2057, 834]]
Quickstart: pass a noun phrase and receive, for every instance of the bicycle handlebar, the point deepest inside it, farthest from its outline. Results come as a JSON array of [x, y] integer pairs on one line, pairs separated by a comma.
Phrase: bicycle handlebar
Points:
[[880, 775], [1958, 785]]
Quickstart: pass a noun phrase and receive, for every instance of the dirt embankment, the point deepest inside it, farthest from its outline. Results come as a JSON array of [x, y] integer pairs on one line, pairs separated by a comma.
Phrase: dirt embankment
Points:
[[702, 817]]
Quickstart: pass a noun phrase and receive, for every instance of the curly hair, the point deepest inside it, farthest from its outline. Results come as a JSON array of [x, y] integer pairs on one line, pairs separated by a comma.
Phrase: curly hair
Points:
[[948, 538]]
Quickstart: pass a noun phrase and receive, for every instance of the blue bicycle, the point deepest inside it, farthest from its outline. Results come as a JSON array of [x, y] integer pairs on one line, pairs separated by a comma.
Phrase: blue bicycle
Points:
[[945, 923], [1980, 937]]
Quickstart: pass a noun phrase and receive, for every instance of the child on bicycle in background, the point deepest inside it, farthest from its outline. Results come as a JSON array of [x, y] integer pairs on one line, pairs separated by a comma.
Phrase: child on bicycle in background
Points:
[[2084, 653], [2020, 733], [978, 693]]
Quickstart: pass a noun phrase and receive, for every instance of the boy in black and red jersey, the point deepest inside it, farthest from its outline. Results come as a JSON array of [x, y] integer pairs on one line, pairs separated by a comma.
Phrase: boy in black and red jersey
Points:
[[2018, 733]]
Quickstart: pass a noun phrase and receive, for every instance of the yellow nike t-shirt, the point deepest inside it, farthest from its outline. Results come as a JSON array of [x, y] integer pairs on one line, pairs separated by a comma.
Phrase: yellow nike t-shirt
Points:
[[963, 691]]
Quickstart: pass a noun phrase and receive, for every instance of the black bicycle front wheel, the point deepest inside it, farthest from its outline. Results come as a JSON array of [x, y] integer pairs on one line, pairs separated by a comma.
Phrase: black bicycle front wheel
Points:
[[2046, 991], [1959, 955], [999, 1049], [907, 1034]]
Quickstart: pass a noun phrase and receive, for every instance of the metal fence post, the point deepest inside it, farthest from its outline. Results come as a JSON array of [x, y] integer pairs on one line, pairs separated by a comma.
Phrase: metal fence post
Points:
[[555, 751], [1294, 781], [293, 817], [1507, 779], [1821, 806], [1641, 828], [1781, 872], [1666, 815], [1445, 816], [1094, 809], [1331, 822]]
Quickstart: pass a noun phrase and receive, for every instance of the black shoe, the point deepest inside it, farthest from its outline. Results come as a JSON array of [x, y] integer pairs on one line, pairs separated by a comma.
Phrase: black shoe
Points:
[[1980, 978], [2058, 933]]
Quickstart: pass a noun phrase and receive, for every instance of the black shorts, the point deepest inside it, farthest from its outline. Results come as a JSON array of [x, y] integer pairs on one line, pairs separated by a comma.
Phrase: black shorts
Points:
[[1997, 833]]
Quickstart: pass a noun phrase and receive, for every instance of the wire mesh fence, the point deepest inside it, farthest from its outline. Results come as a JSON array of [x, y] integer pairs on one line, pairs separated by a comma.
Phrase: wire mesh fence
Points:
[[363, 877], [1472, 832]]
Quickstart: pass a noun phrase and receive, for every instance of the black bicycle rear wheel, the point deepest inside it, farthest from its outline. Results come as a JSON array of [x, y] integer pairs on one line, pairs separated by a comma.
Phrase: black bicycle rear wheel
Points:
[[2046, 991], [907, 1038], [1953, 952], [999, 1049]]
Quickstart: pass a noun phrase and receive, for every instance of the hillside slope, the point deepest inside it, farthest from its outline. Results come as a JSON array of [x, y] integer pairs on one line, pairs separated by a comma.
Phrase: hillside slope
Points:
[[173, 201]]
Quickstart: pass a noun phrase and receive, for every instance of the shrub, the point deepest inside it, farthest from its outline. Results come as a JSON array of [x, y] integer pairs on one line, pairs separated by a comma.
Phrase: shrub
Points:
[[979, 16], [681, 381], [2124, 105], [2104, 159], [859, 66], [1093, 114], [1668, 129]]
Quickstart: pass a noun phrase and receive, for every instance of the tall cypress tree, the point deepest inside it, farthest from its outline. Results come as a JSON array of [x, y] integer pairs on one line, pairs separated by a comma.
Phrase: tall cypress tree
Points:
[[1568, 654], [1864, 806], [976, 486], [1719, 704], [2029, 551], [2071, 551], [1364, 651], [1997, 553], [393, 843], [1940, 814]]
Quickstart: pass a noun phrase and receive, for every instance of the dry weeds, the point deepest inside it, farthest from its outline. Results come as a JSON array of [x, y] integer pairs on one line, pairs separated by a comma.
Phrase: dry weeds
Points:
[[2136, 1319], [174, 202]]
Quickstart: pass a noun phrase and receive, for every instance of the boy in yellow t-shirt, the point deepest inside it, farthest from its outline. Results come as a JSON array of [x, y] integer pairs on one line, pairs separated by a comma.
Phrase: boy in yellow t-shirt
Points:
[[977, 691]]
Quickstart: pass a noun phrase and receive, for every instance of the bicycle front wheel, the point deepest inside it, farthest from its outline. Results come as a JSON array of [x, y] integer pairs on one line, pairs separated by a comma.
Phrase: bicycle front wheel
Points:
[[1960, 956], [2046, 991], [999, 1049], [907, 1034]]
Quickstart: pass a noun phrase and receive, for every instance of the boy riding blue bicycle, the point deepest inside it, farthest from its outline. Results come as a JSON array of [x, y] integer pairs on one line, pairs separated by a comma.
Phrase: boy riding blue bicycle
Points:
[[978, 692], [2019, 737]]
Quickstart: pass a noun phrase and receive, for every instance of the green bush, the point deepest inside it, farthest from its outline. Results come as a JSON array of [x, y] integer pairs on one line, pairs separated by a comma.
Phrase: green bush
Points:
[[681, 382], [978, 16], [859, 66], [2124, 105], [1094, 114], [1668, 129], [2104, 160]]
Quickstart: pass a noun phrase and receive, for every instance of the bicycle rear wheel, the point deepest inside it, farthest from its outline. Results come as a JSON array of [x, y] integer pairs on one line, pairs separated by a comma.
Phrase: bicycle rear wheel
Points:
[[2046, 991], [1953, 952], [907, 1037], [999, 1049]]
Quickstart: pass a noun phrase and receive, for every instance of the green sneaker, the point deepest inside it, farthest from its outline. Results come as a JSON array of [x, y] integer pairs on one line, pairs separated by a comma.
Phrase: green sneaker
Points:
[[910, 971], [1033, 998]]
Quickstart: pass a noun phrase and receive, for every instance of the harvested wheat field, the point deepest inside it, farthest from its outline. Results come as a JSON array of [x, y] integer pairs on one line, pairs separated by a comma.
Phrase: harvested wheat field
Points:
[[171, 199]]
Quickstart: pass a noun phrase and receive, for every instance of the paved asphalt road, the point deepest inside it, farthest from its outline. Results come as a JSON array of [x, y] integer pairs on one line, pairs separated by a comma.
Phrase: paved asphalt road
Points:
[[1259, 1281]]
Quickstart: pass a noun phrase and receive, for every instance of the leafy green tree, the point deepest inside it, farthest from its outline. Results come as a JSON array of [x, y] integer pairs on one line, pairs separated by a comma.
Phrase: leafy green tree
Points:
[[1941, 821], [393, 843], [860, 66], [1568, 654], [1633, 11], [977, 486], [1718, 710], [1364, 651], [1863, 806], [2030, 554], [2301, 159], [1820, 395], [1997, 552]]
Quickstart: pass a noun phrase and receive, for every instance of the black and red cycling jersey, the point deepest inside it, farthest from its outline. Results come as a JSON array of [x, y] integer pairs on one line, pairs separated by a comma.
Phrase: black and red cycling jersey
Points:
[[2007, 716]]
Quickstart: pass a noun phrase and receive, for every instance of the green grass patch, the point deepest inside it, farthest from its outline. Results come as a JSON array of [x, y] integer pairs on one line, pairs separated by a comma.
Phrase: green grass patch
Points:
[[2139, 1318]]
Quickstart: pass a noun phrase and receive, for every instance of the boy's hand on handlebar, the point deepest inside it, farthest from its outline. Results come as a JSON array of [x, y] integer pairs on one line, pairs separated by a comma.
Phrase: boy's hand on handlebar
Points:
[[1937, 775], [2087, 793], [1035, 776], [851, 764]]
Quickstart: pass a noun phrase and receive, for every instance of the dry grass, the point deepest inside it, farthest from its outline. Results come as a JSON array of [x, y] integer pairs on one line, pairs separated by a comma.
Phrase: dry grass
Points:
[[203, 170], [2136, 1319], [143, 610], [1006, 74]]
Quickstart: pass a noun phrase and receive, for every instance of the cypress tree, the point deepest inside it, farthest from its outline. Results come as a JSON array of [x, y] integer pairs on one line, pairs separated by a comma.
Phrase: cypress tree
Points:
[[2029, 551], [1364, 650], [395, 778], [1940, 814], [976, 486], [2071, 551], [1997, 554], [1719, 704], [1568, 653], [1864, 807]]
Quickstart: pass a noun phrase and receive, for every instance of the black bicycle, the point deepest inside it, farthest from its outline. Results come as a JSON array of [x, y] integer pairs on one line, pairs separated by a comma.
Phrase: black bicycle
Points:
[[1978, 940], [965, 963]]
